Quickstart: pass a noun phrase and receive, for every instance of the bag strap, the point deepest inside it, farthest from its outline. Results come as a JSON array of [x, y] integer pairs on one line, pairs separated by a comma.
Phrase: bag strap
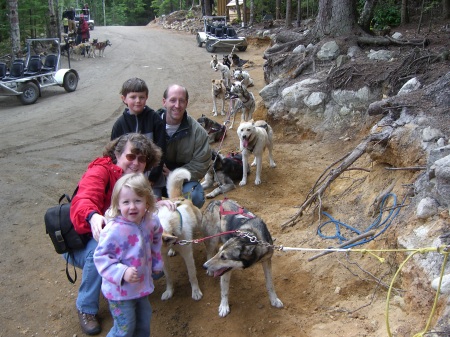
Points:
[[71, 280]]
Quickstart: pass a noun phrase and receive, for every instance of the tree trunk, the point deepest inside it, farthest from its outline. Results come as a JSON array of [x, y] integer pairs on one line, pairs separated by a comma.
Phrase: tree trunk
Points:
[[15, 31], [244, 14], [52, 29], [277, 10], [299, 12], [404, 12], [367, 14], [335, 18], [238, 11], [446, 9], [288, 22], [252, 13]]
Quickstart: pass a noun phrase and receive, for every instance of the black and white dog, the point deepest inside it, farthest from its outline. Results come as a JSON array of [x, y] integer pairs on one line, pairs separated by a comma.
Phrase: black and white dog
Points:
[[241, 250], [224, 171], [216, 131]]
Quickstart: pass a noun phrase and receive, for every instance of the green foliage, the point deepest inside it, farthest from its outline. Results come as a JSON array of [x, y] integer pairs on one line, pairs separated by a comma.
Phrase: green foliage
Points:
[[387, 13]]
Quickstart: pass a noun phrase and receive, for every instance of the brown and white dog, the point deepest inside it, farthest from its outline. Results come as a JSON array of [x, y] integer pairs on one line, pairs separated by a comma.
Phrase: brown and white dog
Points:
[[179, 225], [218, 92], [240, 250], [100, 46], [255, 137], [79, 50], [225, 72]]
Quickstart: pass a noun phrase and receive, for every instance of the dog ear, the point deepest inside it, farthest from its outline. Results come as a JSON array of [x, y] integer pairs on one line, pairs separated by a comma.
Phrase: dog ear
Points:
[[169, 239]]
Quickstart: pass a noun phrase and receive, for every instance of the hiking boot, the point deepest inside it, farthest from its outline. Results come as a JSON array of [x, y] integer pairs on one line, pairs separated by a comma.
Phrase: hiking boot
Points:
[[89, 323]]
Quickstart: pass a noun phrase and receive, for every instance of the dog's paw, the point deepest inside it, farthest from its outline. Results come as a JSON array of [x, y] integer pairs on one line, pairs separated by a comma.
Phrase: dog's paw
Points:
[[197, 294], [277, 303], [254, 163], [167, 294], [272, 164], [243, 183], [214, 114], [257, 181], [210, 196], [171, 252], [224, 309], [223, 113]]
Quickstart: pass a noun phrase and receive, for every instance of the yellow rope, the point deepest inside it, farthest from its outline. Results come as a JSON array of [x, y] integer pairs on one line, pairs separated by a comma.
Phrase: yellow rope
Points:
[[442, 250]]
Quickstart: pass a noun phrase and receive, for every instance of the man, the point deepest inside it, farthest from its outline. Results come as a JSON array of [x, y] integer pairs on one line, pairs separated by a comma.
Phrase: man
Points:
[[186, 142], [71, 18]]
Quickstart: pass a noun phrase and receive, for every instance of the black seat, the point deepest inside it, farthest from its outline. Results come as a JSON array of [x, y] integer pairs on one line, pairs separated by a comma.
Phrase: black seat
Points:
[[213, 30], [34, 66], [219, 32], [16, 70], [231, 32], [50, 63], [208, 28], [3, 70]]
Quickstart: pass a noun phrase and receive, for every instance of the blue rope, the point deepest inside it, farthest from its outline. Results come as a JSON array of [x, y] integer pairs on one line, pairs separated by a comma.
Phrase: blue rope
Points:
[[379, 222]]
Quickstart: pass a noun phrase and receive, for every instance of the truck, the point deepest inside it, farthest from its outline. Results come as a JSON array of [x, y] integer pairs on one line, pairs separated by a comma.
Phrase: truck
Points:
[[40, 69], [87, 16]]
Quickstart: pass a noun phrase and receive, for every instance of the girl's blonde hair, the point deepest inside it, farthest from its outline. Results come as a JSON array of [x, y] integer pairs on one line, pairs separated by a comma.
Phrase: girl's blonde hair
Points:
[[140, 185]]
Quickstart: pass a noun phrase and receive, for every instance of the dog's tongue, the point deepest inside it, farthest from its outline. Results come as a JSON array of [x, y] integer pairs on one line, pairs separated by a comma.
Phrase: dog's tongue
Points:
[[220, 272], [245, 142]]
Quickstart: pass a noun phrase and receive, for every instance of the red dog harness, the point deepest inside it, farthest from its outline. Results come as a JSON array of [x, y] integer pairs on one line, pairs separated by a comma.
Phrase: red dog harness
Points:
[[242, 211]]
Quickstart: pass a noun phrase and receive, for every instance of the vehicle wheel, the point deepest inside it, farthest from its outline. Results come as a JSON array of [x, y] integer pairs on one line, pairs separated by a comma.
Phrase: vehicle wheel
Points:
[[242, 48], [209, 46], [199, 41], [70, 81], [91, 27], [30, 93]]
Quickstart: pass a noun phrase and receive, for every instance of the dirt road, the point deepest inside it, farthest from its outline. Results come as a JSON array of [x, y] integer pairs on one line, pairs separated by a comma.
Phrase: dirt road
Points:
[[45, 147]]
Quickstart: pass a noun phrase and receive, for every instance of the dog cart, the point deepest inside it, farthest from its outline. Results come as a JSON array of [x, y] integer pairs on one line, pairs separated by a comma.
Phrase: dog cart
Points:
[[26, 78], [219, 34]]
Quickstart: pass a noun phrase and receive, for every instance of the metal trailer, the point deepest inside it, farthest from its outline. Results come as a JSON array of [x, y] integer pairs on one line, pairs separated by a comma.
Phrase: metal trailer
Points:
[[219, 34], [27, 82]]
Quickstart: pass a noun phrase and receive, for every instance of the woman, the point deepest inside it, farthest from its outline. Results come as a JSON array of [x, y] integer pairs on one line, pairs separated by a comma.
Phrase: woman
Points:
[[130, 153]]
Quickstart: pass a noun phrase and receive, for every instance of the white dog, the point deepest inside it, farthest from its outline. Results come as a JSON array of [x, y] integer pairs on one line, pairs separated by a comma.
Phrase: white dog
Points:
[[226, 73], [254, 137], [218, 92], [214, 61], [179, 225], [243, 76]]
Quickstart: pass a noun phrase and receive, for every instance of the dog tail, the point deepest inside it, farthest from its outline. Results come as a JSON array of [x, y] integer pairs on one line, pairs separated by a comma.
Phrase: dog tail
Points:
[[175, 182]]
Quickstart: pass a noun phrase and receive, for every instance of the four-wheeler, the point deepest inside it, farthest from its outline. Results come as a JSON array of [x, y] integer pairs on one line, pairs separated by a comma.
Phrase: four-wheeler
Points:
[[26, 78], [219, 34]]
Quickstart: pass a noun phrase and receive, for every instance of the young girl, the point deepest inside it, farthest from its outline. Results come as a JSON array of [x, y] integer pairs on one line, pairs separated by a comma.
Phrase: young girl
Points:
[[128, 252]]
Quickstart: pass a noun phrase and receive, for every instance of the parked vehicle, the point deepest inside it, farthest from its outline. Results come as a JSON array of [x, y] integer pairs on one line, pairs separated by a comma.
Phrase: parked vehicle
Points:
[[219, 34], [26, 78], [87, 17]]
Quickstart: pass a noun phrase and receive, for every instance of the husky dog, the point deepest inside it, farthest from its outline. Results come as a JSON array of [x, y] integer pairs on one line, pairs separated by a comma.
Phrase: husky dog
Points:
[[254, 137], [240, 250], [246, 102], [243, 76], [218, 92], [226, 73], [216, 131], [213, 61], [223, 171], [179, 225]]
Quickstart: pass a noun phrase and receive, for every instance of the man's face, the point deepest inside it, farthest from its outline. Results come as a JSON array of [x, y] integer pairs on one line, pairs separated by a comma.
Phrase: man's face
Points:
[[175, 104]]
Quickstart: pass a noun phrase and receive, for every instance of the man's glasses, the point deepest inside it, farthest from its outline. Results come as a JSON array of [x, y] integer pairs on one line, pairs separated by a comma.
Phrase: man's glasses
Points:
[[132, 157]]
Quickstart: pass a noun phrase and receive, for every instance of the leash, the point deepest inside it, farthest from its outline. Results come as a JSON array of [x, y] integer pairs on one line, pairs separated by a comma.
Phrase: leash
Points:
[[242, 211]]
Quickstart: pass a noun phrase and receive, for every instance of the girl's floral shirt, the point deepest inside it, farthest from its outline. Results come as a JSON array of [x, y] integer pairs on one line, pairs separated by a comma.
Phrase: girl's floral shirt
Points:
[[124, 244]]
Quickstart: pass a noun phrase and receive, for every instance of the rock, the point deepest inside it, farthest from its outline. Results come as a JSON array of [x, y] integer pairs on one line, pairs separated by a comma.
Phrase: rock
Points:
[[412, 85], [427, 208], [329, 51]]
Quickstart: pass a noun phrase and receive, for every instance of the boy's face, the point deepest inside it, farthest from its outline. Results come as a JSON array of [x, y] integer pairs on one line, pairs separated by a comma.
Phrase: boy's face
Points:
[[135, 101]]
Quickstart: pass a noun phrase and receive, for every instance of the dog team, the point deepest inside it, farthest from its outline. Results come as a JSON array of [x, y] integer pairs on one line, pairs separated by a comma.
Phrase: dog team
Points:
[[238, 238], [90, 49]]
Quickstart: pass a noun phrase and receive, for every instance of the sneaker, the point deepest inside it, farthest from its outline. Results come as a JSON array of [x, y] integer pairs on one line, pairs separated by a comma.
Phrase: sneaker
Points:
[[89, 323]]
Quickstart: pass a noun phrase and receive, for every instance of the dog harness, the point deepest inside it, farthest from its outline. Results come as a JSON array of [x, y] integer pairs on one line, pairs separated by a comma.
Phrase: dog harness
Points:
[[242, 211]]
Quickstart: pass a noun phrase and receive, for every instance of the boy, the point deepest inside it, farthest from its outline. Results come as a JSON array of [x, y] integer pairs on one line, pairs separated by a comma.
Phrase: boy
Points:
[[138, 117]]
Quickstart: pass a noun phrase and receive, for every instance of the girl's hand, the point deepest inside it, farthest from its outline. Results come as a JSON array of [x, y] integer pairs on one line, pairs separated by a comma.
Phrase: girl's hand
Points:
[[97, 222], [131, 275], [169, 204]]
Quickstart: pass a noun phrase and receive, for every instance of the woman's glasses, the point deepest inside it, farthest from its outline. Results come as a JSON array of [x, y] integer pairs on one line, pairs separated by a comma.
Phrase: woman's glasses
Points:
[[132, 157]]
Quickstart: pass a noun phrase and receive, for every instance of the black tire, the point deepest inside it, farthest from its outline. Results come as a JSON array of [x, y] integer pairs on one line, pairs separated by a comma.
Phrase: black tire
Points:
[[242, 48], [30, 93], [199, 42], [209, 46], [70, 81], [91, 27]]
